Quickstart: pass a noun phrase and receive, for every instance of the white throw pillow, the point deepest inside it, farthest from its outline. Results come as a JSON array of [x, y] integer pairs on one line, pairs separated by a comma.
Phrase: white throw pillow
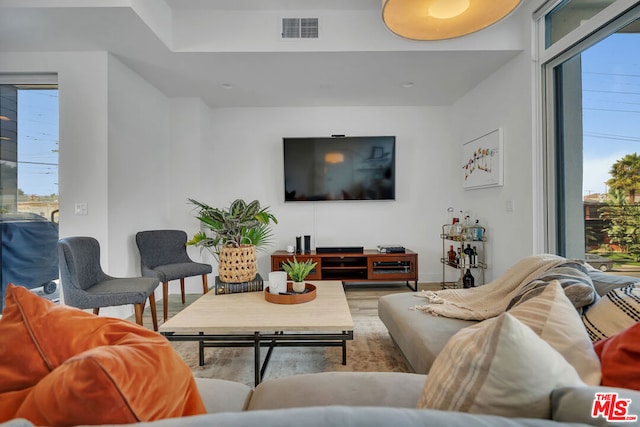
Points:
[[500, 367], [552, 316], [618, 310]]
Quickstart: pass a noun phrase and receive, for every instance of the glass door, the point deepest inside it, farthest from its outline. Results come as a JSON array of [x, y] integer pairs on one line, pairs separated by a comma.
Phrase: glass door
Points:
[[595, 167], [29, 187]]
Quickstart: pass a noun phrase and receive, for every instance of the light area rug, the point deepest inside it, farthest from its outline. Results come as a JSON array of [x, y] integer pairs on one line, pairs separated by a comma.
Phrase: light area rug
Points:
[[371, 350]]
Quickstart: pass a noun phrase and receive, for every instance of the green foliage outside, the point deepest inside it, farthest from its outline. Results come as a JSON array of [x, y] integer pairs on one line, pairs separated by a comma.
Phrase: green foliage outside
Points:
[[625, 176], [622, 213], [624, 227]]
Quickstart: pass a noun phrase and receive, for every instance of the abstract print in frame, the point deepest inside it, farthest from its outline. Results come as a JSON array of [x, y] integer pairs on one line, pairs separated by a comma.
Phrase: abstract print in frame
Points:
[[482, 161]]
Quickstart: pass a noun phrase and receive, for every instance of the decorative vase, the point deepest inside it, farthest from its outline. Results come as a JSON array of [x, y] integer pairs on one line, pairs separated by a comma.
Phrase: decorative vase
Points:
[[298, 286], [237, 264]]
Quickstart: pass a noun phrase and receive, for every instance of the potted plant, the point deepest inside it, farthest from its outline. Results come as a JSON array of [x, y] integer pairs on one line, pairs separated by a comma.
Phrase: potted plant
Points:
[[298, 271], [234, 235]]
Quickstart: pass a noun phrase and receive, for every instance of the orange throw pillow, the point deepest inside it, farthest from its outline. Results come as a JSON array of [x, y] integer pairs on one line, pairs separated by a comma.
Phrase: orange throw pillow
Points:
[[63, 366], [619, 357]]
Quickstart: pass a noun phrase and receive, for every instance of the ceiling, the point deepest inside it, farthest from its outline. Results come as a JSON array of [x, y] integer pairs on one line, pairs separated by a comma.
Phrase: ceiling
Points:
[[275, 4], [417, 75]]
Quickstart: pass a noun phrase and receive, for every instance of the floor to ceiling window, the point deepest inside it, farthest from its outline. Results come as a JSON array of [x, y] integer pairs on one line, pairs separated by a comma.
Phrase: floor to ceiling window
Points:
[[29, 184], [593, 136]]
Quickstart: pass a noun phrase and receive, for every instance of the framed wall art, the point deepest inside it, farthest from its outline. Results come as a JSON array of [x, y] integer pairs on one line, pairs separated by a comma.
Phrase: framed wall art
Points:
[[482, 161]]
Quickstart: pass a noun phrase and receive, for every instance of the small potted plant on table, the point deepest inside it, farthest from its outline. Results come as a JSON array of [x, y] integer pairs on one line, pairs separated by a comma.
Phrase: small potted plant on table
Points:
[[298, 271]]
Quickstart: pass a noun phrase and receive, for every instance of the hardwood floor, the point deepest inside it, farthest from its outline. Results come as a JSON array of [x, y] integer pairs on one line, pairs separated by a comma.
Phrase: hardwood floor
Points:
[[363, 300]]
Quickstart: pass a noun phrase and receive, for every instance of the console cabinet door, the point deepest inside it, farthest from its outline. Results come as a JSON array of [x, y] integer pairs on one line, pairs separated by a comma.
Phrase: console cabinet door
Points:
[[392, 267]]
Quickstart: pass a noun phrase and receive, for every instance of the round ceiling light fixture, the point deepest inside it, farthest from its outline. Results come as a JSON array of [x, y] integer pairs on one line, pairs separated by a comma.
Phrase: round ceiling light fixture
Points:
[[443, 19], [447, 9]]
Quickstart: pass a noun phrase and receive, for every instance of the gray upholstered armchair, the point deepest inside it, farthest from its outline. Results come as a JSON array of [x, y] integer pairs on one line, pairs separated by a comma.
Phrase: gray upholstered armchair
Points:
[[163, 254], [85, 285]]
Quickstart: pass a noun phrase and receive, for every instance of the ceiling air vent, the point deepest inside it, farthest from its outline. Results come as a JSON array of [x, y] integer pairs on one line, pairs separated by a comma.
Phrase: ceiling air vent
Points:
[[299, 28]]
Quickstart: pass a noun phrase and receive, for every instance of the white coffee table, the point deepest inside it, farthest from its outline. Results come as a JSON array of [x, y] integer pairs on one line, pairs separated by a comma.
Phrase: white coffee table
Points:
[[248, 320]]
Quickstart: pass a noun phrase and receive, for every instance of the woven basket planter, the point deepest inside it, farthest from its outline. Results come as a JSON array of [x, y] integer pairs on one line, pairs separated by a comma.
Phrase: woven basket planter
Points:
[[237, 265]]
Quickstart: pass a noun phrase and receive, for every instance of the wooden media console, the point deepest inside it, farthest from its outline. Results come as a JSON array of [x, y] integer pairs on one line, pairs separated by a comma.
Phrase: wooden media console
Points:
[[367, 266]]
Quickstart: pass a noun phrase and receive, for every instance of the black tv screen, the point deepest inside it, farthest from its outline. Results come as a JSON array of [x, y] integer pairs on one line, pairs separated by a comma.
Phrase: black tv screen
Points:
[[339, 168]]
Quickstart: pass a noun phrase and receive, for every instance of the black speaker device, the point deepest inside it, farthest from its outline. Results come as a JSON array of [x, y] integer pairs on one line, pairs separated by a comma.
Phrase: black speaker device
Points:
[[307, 244]]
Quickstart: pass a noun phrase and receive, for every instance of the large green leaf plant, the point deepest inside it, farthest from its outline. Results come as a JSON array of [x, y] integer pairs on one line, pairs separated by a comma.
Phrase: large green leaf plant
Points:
[[240, 224]]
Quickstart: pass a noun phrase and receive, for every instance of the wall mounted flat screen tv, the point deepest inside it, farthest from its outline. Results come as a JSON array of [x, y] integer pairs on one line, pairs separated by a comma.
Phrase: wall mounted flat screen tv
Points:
[[339, 168]]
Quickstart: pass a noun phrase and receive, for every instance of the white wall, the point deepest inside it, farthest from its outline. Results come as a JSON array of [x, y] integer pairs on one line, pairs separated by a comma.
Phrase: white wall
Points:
[[139, 163], [190, 133], [134, 156], [243, 159], [83, 115], [118, 153], [508, 233], [154, 151], [504, 100]]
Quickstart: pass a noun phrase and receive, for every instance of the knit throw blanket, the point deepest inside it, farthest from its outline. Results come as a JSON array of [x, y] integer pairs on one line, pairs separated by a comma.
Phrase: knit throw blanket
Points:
[[491, 299]]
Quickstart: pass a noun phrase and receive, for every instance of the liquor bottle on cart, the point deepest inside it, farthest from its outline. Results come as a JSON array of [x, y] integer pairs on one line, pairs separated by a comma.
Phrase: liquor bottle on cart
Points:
[[468, 280], [451, 256]]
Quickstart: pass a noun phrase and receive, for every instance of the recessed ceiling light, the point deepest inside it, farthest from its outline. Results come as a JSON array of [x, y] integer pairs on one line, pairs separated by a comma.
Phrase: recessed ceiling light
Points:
[[227, 86], [407, 84]]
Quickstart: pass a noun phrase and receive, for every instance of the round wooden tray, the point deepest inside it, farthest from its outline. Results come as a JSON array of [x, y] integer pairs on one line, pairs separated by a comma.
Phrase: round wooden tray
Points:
[[293, 298]]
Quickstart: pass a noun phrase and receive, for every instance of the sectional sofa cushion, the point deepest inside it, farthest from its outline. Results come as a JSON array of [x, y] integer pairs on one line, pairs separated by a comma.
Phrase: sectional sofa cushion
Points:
[[420, 336], [394, 389], [619, 356], [574, 278], [223, 395], [330, 416], [616, 311], [499, 367], [63, 366], [554, 319]]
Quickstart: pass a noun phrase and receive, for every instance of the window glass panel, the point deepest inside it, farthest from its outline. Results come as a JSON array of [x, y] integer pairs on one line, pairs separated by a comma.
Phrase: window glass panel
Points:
[[568, 155], [29, 188], [596, 146], [38, 151], [569, 15]]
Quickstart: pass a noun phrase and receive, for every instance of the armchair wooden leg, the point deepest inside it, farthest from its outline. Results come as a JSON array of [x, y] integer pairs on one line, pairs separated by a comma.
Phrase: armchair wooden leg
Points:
[[182, 288], [205, 284], [96, 311], [154, 315], [165, 299], [139, 309]]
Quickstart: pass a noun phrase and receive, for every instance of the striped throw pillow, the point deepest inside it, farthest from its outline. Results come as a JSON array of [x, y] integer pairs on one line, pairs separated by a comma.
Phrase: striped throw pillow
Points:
[[498, 367], [618, 310], [554, 319], [574, 279]]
